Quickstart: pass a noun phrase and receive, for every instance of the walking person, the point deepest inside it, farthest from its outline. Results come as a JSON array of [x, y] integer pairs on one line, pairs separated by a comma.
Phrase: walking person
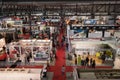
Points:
[[48, 65], [93, 64], [63, 38], [62, 43], [87, 61], [67, 46], [103, 57], [58, 44], [82, 61], [79, 60], [76, 61], [63, 70], [91, 61]]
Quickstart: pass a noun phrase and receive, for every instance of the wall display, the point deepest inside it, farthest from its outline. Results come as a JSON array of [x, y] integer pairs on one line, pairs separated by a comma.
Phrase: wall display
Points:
[[73, 32], [91, 47], [95, 34], [78, 34], [90, 22]]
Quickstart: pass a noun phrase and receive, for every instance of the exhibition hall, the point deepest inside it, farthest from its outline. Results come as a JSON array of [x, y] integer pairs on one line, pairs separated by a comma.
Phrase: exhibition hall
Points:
[[59, 39]]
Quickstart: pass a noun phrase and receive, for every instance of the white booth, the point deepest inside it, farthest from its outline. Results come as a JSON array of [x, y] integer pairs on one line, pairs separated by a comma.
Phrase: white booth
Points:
[[89, 45], [39, 50], [20, 74]]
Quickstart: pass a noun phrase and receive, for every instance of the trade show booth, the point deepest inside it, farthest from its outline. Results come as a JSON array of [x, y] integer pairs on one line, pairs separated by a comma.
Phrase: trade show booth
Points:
[[78, 31], [94, 49], [33, 50]]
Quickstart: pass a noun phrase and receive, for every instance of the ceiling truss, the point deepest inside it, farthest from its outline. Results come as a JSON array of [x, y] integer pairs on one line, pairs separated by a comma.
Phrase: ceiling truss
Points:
[[61, 9]]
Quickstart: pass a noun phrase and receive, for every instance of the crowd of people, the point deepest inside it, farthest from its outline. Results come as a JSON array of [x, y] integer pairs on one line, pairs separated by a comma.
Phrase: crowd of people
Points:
[[86, 61]]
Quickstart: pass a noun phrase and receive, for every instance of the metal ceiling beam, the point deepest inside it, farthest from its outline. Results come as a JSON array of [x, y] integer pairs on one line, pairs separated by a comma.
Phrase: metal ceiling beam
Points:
[[92, 8]]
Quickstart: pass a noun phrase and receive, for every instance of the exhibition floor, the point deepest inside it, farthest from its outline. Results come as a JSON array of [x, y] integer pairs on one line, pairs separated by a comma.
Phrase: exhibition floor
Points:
[[55, 70], [60, 61]]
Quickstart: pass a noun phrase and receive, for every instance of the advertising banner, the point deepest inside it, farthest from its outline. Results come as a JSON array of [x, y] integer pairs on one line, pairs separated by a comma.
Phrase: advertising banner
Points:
[[90, 22]]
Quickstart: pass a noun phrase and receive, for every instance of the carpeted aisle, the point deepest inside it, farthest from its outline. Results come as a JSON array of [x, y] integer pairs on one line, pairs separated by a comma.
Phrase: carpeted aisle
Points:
[[58, 65], [60, 61]]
